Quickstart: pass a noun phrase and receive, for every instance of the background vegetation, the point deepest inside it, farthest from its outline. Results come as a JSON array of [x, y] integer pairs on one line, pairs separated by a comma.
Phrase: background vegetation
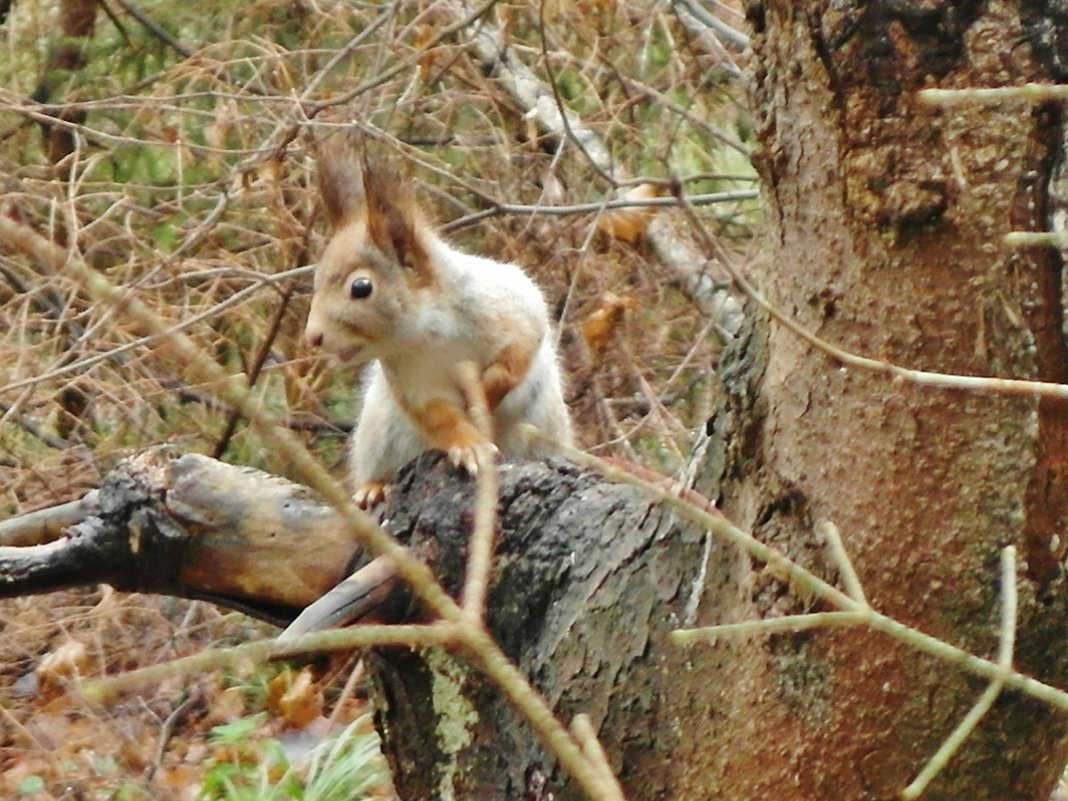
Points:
[[173, 146]]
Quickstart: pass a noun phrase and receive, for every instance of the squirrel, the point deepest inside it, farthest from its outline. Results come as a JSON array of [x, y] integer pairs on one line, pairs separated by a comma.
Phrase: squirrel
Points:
[[390, 291]]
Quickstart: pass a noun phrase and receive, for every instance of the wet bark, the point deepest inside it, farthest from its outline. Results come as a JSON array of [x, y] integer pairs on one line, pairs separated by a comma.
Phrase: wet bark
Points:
[[590, 577], [188, 526]]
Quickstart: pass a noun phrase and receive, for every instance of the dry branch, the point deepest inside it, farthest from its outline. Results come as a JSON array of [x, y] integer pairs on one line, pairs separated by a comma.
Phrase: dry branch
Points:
[[673, 246], [482, 648], [188, 526], [586, 570]]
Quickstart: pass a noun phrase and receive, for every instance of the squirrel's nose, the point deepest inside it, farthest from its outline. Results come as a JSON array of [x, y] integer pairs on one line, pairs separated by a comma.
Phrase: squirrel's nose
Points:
[[314, 338]]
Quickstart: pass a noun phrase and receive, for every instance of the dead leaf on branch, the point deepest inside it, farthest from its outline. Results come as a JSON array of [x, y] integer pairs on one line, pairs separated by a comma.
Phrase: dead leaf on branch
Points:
[[602, 323], [630, 224]]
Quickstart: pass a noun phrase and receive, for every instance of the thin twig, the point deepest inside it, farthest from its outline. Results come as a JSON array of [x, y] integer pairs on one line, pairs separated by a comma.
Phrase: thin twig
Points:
[[48, 751], [813, 584], [724, 32], [1029, 92], [31, 428], [985, 384], [542, 104], [354, 678], [382, 76], [538, 711], [45, 525], [1027, 239], [233, 390], [598, 206], [774, 625], [588, 143], [344, 52], [582, 730], [274, 327], [106, 689], [155, 28], [236, 299], [166, 732], [485, 653], [829, 531], [1006, 647], [480, 546]]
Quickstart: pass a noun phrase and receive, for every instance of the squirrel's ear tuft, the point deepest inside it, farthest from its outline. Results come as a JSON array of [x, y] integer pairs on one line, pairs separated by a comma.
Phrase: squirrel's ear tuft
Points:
[[394, 220], [340, 179]]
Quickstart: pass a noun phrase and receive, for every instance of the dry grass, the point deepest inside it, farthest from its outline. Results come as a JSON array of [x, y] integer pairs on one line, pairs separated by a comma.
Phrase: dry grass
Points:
[[190, 182]]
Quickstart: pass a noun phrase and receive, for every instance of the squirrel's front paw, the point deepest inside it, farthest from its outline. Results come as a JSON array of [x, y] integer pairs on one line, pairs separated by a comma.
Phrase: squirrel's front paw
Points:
[[371, 494], [466, 456]]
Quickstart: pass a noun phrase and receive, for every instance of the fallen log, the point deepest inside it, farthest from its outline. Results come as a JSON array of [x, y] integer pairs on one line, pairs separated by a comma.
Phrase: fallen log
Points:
[[193, 527]]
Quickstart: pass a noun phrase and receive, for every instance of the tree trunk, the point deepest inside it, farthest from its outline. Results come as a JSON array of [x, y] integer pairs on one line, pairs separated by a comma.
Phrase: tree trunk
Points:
[[589, 580], [885, 227], [886, 222]]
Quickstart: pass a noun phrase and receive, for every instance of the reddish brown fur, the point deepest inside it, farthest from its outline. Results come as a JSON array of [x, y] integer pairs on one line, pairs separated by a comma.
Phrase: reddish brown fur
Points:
[[375, 194], [340, 181], [446, 426], [507, 371]]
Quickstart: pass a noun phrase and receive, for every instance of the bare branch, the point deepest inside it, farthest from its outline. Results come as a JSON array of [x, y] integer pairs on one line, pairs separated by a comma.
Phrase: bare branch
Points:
[[692, 11], [480, 547], [45, 525], [484, 651], [1006, 646], [814, 585], [829, 531], [988, 384], [155, 28], [1026, 93], [557, 120]]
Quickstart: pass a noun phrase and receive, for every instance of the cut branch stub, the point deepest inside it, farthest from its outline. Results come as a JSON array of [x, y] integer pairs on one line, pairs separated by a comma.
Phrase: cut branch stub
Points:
[[588, 579], [258, 537]]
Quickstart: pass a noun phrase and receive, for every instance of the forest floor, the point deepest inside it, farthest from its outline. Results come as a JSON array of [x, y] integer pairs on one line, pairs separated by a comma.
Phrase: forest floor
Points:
[[220, 735]]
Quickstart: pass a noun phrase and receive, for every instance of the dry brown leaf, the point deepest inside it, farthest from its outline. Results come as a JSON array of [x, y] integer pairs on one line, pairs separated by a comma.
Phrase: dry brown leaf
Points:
[[67, 733], [229, 705], [296, 699], [600, 325], [67, 661], [226, 118], [26, 765], [429, 61], [180, 778], [629, 225]]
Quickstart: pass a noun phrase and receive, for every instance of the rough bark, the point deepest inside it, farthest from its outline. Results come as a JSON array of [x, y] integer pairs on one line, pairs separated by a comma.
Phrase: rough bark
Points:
[[886, 220], [589, 579], [886, 223]]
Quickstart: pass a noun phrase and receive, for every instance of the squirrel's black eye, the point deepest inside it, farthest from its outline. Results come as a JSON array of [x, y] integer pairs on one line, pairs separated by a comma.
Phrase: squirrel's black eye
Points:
[[361, 288]]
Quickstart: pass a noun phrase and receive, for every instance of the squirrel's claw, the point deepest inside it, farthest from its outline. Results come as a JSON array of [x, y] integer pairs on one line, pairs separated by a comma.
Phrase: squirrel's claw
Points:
[[466, 457], [371, 494]]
